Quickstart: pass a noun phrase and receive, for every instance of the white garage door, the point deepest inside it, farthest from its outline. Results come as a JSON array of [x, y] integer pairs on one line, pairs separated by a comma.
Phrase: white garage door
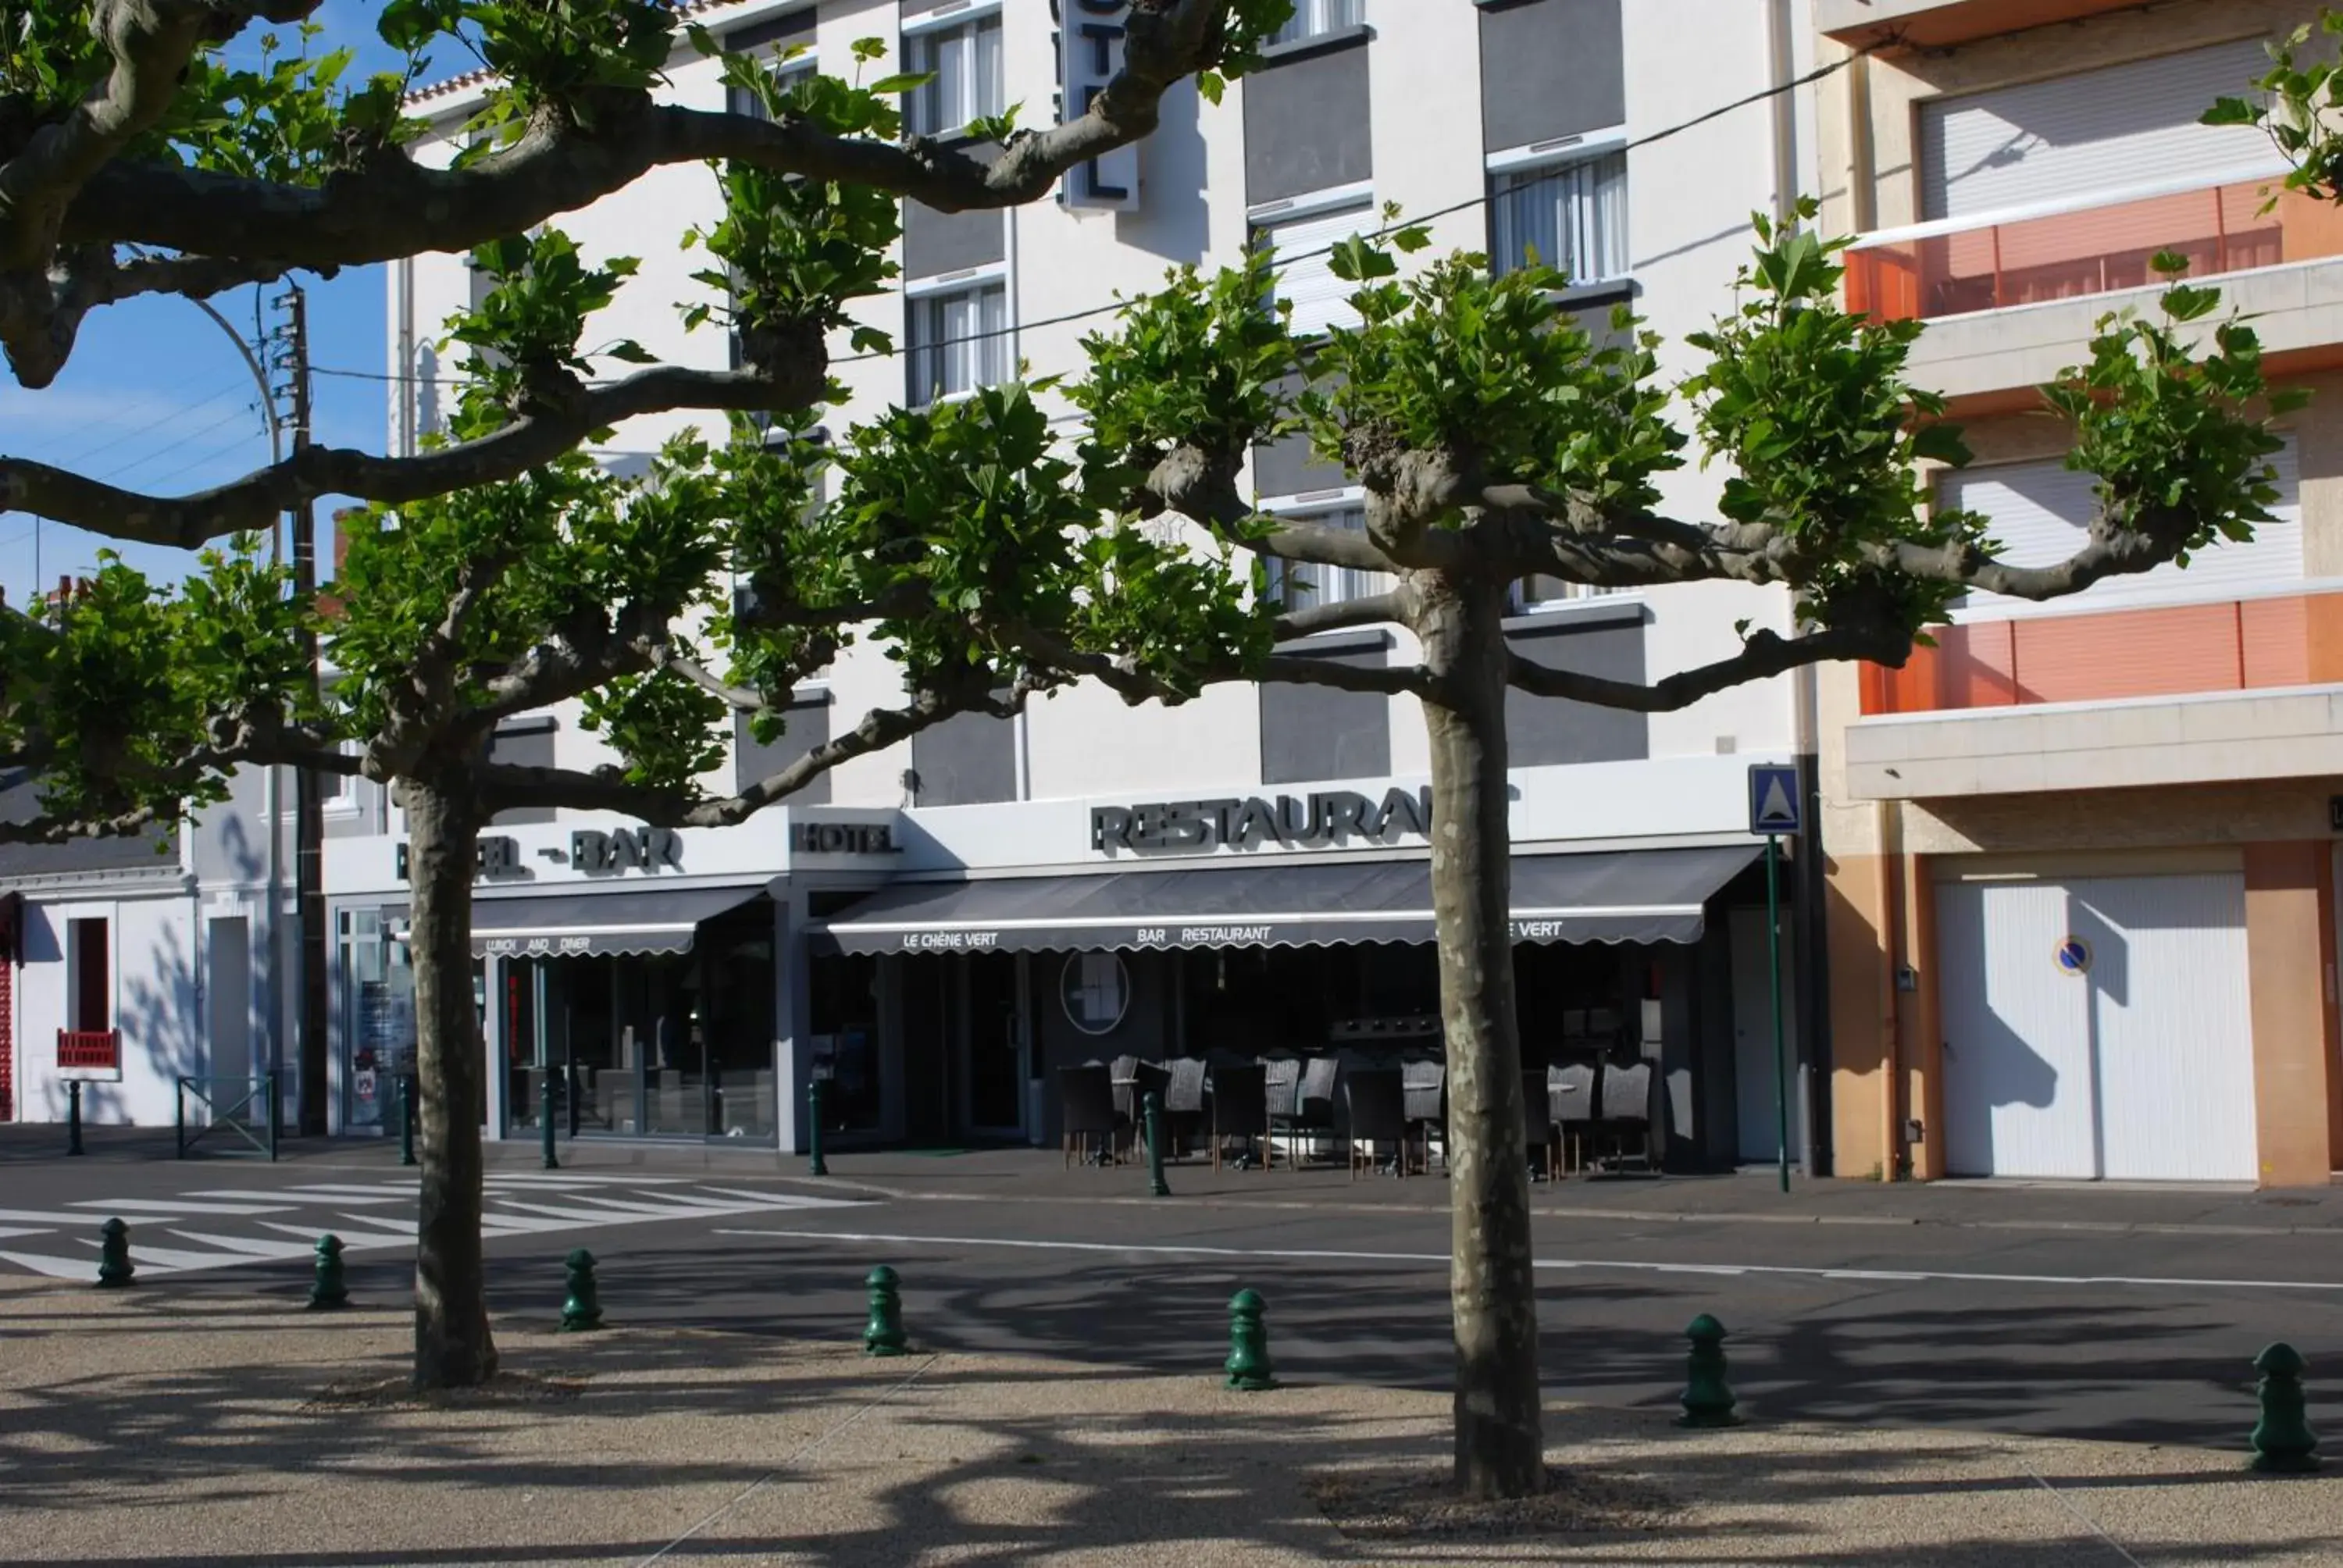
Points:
[[2139, 1066]]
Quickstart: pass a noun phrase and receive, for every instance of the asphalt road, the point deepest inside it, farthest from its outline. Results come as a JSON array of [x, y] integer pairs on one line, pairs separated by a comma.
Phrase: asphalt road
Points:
[[2131, 1332]]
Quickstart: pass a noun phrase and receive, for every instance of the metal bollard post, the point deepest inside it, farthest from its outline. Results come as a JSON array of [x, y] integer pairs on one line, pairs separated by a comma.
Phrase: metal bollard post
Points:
[[545, 1123], [883, 1334], [115, 1269], [583, 1309], [1153, 1111], [406, 1119], [815, 1164], [2282, 1440], [1248, 1365], [1707, 1400], [327, 1291], [73, 1115]]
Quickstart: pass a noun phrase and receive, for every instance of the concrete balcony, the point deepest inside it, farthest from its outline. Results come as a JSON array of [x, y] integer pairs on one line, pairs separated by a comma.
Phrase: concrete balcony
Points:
[[2010, 301], [1941, 23], [2210, 737]]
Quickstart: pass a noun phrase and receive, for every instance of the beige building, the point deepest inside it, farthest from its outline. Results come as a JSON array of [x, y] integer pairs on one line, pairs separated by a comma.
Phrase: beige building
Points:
[[2082, 856]]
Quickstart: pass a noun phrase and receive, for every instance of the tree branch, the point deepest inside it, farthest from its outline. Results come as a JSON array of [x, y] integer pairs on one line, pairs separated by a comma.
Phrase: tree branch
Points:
[[1393, 681], [1765, 654], [536, 437], [1373, 610], [397, 208]]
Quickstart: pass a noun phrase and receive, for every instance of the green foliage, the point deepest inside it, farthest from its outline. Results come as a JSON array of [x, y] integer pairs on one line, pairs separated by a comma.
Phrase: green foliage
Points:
[[2297, 105], [669, 730], [1251, 25], [112, 690], [1811, 406], [2179, 441], [53, 59], [531, 322], [1199, 362], [795, 250], [1497, 370], [564, 57]]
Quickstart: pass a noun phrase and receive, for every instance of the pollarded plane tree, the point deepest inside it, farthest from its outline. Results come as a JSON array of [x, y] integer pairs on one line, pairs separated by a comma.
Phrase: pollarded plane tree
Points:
[[1496, 440], [501, 571]]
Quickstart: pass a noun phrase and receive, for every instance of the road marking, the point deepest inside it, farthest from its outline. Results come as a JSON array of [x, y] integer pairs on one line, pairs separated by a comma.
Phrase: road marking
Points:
[[55, 1268], [534, 1179], [256, 1247], [1949, 1276], [319, 1193], [349, 1236]]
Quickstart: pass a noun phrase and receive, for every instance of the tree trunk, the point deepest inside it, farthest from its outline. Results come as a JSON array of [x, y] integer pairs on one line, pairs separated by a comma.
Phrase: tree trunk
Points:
[[453, 1348], [1500, 1442]]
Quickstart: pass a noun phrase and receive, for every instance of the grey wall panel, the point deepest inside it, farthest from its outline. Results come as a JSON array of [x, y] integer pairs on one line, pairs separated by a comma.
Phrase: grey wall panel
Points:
[[1550, 68], [1306, 125], [151, 850], [809, 726], [1546, 729], [1289, 467], [1312, 732], [523, 743], [935, 243], [967, 761]]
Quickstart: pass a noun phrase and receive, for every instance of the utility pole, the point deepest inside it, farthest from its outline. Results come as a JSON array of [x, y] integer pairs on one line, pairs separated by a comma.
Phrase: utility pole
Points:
[[309, 817]]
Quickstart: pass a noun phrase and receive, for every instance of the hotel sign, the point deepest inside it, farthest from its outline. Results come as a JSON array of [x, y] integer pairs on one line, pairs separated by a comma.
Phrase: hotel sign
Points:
[[1333, 817], [1089, 53]]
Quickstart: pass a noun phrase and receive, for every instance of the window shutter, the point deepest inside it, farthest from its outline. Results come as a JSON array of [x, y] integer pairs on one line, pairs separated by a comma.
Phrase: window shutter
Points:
[[1320, 299], [2118, 128], [2039, 512]]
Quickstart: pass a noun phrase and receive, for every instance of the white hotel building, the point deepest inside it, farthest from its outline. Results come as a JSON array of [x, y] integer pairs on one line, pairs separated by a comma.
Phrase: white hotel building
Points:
[[936, 929]]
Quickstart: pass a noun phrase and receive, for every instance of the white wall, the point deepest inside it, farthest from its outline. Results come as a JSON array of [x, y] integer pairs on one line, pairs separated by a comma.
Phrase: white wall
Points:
[[154, 966]]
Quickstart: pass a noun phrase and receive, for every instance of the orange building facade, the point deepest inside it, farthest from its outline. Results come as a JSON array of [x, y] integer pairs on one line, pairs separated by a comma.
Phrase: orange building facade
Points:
[[2081, 858]]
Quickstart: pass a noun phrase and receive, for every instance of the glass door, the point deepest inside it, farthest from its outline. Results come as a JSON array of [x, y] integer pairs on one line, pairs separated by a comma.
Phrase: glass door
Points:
[[995, 1072]]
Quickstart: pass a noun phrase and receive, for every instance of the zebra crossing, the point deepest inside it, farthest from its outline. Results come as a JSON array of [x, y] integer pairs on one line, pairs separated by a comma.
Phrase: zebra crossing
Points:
[[221, 1227]]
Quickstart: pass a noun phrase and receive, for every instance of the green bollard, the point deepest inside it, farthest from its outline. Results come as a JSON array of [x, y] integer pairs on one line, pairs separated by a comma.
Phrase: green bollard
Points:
[[815, 1164], [2282, 1440], [113, 1266], [583, 1309], [1153, 1111], [1707, 1400], [883, 1334], [73, 1116], [1248, 1365], [328, 1291], [406, 1119]]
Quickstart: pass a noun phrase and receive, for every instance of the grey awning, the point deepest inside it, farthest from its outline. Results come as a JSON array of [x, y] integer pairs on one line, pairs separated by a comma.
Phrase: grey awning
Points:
[[1625, 896], [641, 920]]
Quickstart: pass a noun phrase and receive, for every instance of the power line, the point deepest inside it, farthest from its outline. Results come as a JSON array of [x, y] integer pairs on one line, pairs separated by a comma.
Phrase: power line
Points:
[[1278, 265], [164, 451]]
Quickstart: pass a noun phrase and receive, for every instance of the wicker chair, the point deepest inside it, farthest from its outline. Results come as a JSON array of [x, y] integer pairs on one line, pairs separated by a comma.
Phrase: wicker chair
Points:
[[1376, 1098], [1086, 1111]]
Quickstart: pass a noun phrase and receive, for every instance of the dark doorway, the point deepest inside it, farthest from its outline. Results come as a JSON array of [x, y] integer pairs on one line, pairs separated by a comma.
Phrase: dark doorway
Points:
[[927, 1049], [996, 1083]]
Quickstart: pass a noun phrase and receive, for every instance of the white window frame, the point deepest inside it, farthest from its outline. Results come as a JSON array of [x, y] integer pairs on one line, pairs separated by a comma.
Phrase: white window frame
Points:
[[1315, 506], [1263, 220], [966, 280], [1555, 153], [1318, 18], [918, 35]]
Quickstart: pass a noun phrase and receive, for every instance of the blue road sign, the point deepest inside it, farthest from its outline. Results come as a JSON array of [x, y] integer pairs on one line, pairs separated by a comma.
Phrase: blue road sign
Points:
[[1774, 798]]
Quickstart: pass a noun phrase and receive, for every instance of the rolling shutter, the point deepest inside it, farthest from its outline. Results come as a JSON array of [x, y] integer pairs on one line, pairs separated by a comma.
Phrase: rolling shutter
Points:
[[2108, 130], [1320, 300], [2039, 512]]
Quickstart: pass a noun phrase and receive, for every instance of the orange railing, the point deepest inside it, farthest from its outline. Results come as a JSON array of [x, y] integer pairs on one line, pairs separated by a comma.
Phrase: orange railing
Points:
[[2239, 645], [97, 1048], [1941, 270]]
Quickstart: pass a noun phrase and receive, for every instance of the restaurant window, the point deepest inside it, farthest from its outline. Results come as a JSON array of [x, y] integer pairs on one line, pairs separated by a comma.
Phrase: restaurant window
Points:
[[958, 341], [963, 63], [1570, 215]]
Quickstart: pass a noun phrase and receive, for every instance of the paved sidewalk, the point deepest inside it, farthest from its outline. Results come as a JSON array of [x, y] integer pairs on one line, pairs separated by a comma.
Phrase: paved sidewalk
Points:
[[143, 1430]]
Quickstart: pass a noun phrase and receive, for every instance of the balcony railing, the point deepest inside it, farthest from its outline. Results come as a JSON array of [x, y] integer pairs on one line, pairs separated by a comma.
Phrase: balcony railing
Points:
[[2069, 250], [2238, 645], [89, 1049]]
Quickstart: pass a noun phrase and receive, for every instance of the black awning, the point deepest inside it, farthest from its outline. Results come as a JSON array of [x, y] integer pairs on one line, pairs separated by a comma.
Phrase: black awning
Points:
[[1623, 896], [641, 920]]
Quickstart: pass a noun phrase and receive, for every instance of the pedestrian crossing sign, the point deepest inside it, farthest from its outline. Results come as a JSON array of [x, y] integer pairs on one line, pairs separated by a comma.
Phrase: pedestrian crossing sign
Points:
[[1774, 799]]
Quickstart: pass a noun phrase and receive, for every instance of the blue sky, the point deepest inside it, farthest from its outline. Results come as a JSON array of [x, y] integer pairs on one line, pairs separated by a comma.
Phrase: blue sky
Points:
[[156, 398]]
